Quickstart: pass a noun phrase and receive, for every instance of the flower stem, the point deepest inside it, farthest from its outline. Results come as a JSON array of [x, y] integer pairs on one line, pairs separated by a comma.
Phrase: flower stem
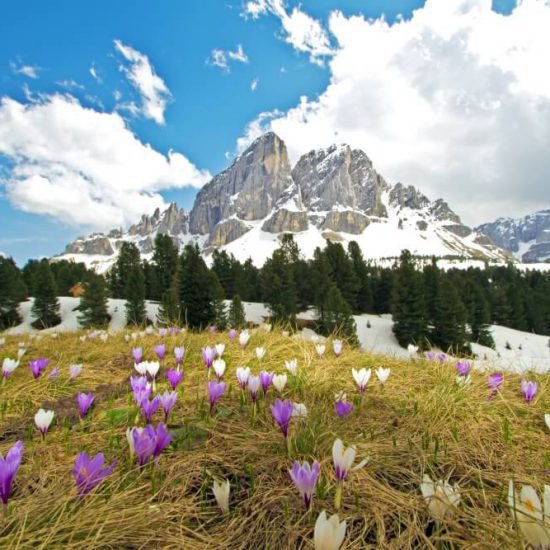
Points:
[[338, 496]]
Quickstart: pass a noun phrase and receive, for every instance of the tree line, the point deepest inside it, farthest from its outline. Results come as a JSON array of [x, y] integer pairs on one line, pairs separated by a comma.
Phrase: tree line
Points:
[[429, 306]]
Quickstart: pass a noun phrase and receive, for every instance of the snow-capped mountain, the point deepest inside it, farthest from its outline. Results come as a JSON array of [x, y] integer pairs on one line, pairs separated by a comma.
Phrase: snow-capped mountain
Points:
[[333, 193], [527, 238]]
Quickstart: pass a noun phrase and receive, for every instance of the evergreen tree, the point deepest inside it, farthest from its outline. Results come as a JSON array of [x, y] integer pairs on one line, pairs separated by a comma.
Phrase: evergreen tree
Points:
[[153, 290], [128, 259], [223, 267], [432, 279], [218, 295], [134, 294], [364, 299], [169, 309], [93, 303], [338, 318], [165, 260], [30, 272], [408, 307], [46, 306], [237, 317], [12, 291], [383, 291], [321, 284], [342, 272], [479, 316], [196, 300]]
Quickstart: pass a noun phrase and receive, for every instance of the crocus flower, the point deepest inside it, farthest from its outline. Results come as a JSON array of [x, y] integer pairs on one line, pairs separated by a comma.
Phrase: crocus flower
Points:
[[74, 371], [21, 352], [429, 355], [342, 408], [442, 357], [254, 386], [527, 510], [8, 366], [292, 366], [547, 421], [137, 353], [89, 472], [38, 366], [85, 401], [144, 443], [167, 402], [266, 378], [162, 440], [361, 378], [130, 439], [299, 410], [243, 374], [160, 351], [141, 368], [320, 349], [495, 381], [343, 460], [441, 497], [329, 533], [382, 374], [208, 355], [279, 382], [244, 337], [174, 377], [162, 333], [305, 477], [219, 367], [54, 374], [149, 408], [260, 353], [141, 388], [412, 350], [463, 368], [232, 334], [463, 381], [282, 413], [215, 391], [221, 494], [43, 419], [8, 470], [152, 370], [337, 347], [220, 348], [179, 352], [529, 390]]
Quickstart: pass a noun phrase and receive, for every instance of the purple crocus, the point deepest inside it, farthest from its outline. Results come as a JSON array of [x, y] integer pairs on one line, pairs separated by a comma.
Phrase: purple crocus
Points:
[[495, 381], [54, 374], [8, 470], [38, 366], [282, 413], [163, 332], [266, 378], [529, 389], [179, 352], [442, 357], [144, 443], [160, 351], [232, 334], [215, 391], [253, 386], [74, 371], [89, 472], [167, 401], [174, 377], [463, 368], [162, 440], [149, 408], [429, 355], [305, 479], [343, 408], [85, 401], [137, 353], [208, 355], [140, 388]]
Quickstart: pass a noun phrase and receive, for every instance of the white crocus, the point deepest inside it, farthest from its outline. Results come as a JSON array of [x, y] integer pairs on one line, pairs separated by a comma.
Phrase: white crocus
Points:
[[82, 338], [220, 348], [532, 520], [361, 378], [547, 420], [329, 533], [243, 374], [463, 381], [74, 371], [382, 374], [292, 366], [299, 410], [343, 460], [260, 353], [8, 366], [412, 349], [221, 493], [2, 341], [152, 368], [21, 352], [337, 347], [149, 331], [219, 367], [441, 497], [320, 349], [244, 337], [43, 419], [279, 382], [141, 368]]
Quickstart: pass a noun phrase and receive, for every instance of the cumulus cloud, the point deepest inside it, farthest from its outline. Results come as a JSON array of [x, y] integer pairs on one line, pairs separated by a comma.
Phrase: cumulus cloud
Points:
[[300, 30], [221, 58], [454, 100], [30, 71], [154, 93], [84, 167]]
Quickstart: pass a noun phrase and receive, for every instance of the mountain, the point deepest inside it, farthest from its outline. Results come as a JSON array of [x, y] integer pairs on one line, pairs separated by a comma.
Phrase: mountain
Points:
[[527, 238], [333, 193]]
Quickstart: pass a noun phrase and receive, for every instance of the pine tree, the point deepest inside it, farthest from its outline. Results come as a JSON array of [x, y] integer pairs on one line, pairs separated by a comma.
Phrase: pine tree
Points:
[[165, 260], [169, 309], [364, 298], [218, 295], [195, 293], [342, 272], [408, 307], [321, 283], [338, 318], [12, 291], [236, 317], [134, 294], [93, 303], [432, 280], [128, 259], [46, 306], [480, 317], [383, 291], [449, 331]]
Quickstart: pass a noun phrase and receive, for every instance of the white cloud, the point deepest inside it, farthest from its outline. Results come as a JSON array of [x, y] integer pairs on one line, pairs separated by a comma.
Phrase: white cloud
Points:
[[254, 84], [300, 30], [95, 74], [221, 58], [84, 167], [455, 100], [30, 71], [70, 84], [154, 93]]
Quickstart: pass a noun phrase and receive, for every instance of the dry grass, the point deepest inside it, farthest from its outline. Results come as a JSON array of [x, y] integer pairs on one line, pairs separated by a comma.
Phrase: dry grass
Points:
[[421, 422]]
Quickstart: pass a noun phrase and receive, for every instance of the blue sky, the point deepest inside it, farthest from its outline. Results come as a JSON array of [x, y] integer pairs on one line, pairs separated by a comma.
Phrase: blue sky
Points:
[[50, 49]]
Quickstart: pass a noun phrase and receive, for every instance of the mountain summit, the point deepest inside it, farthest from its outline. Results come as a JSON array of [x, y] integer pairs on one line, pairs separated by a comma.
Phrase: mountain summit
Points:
[[333, 193]]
